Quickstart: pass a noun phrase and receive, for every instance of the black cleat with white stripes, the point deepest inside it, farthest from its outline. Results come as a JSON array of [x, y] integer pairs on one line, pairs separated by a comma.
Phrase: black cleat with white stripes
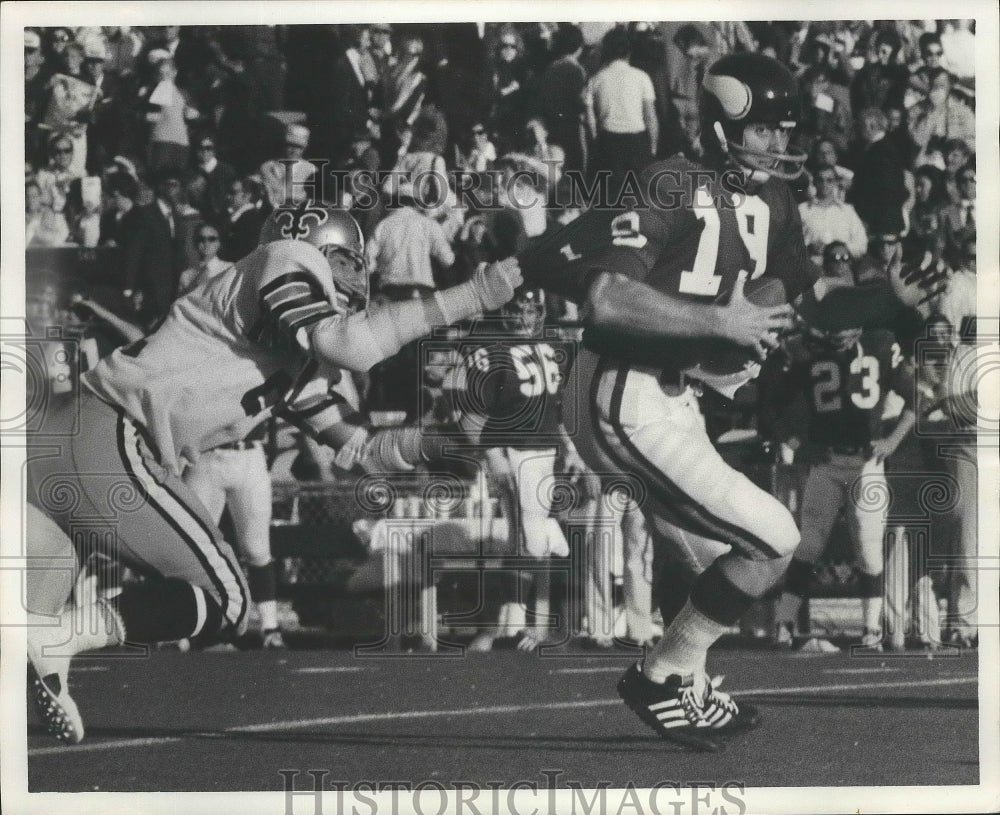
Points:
[[679, 712]]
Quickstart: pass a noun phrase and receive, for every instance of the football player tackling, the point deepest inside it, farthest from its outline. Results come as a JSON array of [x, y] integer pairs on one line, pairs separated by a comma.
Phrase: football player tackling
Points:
[[270, 334]]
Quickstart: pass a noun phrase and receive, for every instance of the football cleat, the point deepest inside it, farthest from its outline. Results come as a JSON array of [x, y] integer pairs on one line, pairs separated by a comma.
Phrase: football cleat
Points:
[[90, 622], [818, 645], [50, 695], [678, 711], [871, 638], [961, 638], [273, 639], [783, 636]]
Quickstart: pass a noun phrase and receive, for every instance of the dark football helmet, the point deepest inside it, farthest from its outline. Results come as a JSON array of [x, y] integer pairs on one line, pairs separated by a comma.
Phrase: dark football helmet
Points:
[[524, 315], [335, 233], [842, 340], [749, 89]]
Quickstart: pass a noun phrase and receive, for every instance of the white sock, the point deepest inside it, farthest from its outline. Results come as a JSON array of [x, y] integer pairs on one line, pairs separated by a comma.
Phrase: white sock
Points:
[[684, 646], [871, 613], [268, 614], [80, 629]]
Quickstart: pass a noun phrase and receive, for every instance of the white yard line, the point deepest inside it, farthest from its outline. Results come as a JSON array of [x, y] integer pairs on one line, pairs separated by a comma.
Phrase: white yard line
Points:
[[597, 669], [331, 669], [883, 670], [358, 718]]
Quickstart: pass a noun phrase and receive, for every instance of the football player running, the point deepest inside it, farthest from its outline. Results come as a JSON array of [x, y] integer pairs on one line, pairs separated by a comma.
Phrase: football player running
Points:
[[674, 265], [271, 334]]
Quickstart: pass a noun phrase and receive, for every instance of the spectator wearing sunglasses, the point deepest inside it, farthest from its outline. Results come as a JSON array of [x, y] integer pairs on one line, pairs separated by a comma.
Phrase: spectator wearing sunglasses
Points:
[[508, 90], [207, 241], [209, 179], [55, 181], [58, 41], [931, 58], [827, 218]]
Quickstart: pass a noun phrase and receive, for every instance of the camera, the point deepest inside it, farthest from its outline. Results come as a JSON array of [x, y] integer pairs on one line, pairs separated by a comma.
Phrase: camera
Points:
[[42, 362]]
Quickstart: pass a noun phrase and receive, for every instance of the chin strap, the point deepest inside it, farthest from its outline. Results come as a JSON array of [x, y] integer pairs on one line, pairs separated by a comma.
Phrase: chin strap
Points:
[[760, 165]]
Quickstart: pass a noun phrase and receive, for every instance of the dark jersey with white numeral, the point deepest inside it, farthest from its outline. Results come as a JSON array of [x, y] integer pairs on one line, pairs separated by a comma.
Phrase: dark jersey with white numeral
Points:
[[688, 234], [846, 390], [517, 387]]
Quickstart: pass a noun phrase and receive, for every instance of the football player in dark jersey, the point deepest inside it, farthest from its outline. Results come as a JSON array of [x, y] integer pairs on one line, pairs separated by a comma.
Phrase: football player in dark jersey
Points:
[[666, 261], [845, 377], [508, 388]]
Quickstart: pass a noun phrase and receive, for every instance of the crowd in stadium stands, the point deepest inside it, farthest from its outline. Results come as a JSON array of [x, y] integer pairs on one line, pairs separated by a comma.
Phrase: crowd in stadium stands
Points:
[[172, 144]]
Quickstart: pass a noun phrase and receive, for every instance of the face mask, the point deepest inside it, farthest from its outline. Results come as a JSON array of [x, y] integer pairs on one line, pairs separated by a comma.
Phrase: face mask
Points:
[[938, 96]]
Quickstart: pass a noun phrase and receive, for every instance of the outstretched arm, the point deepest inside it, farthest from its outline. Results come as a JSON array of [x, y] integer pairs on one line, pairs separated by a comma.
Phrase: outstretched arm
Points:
[[362, 340], [128, 330]]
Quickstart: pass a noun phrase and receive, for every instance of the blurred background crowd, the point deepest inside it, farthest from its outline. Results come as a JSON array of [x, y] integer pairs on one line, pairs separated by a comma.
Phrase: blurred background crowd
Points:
[[153, 155]]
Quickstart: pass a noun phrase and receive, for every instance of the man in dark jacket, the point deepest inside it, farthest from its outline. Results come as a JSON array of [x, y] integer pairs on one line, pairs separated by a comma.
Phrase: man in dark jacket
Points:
[[152, 253], [878, 191], [560, 95]]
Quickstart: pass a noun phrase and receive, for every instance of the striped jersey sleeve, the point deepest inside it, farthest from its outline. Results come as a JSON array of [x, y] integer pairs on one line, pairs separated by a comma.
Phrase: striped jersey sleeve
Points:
[[295, 291]]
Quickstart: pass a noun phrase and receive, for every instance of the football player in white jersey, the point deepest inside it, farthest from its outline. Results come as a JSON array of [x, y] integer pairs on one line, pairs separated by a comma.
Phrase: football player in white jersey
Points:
[[270, 334]]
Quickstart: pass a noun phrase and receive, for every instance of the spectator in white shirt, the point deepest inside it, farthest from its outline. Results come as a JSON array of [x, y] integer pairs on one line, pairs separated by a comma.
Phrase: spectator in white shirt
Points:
[[828, 219], [621, 110], [404, 245], [288, 180]]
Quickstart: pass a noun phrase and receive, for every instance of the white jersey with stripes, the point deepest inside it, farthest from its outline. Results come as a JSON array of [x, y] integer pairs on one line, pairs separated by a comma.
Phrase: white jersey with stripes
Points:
[[229, 350]]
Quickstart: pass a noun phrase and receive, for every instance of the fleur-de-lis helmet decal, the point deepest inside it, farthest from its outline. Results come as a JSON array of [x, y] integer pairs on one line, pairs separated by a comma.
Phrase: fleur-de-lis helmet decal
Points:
[[295, 223]]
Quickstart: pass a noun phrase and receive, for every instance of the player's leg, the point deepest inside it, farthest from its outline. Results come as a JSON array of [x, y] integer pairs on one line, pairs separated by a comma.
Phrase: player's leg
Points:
[[58, 630], [159, 528], [679, 557], [662, 441], [866, 521], [603, 531], [897, 587], [963, 597], [532, 472], [638, 555], [249, 501], [822, 499], [208, 479], [511, 614]]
